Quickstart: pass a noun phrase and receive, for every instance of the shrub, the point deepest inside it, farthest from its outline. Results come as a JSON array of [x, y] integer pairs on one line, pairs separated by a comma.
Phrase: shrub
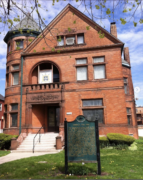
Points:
[[78, 170], [139, 141], [5, 140], [117, 138], [104, 142]]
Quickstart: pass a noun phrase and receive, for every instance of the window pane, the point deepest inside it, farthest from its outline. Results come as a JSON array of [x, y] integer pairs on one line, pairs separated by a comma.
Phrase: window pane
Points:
[[129, 120], [99, 72], [128, 110], [81, 61], [14, 107], [81, 73], [15, 78], [97, 102], [14, 119], [125, 80], [80, 39], [19, 44], [91, 114], [0, 107], [15, 67], [125, 88], [69, 40], [98, 59], [61, 43]]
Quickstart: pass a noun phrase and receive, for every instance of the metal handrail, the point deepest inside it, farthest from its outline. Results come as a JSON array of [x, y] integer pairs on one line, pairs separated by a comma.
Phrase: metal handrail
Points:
[[35, 137]]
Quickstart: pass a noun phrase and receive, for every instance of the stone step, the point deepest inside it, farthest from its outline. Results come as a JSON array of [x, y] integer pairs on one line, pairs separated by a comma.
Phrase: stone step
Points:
[[37, 145], [36, 149], [51, 151], [47, 143]]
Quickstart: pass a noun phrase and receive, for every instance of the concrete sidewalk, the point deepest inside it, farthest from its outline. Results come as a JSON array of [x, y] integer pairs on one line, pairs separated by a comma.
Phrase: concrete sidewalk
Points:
[[15, 156]]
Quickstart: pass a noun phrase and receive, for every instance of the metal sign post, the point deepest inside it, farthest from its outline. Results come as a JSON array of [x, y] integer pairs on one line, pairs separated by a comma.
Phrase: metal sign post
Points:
[[66, 152]]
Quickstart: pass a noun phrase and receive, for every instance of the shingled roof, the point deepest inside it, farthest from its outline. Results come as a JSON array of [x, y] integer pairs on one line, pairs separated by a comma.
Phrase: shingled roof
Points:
[[1, 97], [27, 23]]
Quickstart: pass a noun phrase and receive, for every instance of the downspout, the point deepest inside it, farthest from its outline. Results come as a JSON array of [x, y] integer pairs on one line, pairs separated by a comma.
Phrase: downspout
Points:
[[21, 94]]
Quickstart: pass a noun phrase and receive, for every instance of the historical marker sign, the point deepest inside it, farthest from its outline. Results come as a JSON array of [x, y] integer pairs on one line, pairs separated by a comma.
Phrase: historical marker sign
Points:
[[82, 141]]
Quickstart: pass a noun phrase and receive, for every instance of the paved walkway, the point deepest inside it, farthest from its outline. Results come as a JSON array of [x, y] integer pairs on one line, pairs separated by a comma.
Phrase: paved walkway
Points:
[[15, 156]]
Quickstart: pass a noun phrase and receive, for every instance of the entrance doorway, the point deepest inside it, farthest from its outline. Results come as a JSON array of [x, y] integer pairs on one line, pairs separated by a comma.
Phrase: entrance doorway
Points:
[[53, 119]]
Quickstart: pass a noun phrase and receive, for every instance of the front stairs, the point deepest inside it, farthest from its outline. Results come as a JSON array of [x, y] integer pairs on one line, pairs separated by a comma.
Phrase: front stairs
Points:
[[47, 143]]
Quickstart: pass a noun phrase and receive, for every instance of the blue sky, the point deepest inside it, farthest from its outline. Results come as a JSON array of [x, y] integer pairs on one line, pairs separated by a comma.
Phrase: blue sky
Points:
[[130, 35]]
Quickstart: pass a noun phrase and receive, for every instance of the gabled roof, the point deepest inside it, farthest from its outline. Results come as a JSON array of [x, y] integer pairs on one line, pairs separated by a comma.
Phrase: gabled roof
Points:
[[78, 13], [27, 23], [1, 97]]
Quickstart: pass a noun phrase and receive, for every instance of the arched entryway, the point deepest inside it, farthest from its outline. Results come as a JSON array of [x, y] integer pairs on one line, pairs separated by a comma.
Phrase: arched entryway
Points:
[[45, 97]]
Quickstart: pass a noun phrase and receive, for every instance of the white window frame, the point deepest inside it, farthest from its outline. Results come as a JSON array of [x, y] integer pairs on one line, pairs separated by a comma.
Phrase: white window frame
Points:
[[79, 65], [104, 75], [100, 62], [13, 79], [80, 35]]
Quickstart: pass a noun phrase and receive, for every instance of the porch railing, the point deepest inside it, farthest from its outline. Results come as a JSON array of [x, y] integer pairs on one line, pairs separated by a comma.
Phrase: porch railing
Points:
[[49, 86], [39, 132]]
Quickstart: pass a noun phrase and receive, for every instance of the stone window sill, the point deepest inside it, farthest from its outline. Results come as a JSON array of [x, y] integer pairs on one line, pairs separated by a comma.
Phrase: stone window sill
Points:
[[66, 46]]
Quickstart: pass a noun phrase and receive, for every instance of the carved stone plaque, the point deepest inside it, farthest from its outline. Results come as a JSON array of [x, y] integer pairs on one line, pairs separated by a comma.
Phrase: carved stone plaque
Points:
[[44, 97]]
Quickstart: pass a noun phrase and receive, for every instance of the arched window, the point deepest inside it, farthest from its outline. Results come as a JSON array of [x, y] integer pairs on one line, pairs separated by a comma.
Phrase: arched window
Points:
[[45, 73]]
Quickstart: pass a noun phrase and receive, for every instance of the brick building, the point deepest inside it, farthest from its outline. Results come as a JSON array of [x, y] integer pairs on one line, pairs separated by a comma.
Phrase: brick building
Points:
[[1, 113], [139, 113], [77, 73]]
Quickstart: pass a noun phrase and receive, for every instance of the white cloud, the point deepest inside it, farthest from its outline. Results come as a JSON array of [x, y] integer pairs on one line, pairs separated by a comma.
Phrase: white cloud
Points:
[[133, 40], [3, 46], [3, 63], [2, 79]]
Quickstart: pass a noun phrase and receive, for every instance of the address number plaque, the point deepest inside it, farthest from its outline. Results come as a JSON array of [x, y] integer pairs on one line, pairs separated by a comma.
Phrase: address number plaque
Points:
[[82, 142]]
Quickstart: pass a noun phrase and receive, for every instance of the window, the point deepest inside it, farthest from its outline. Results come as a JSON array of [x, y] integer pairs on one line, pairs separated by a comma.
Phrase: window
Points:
[[126, 85], [95, 102], [98, 59], [70, 39], [14, 119], [7, 80], [15, 78], [14, 107], [80, 39], [81, 70], [129, 115], [99, 70], [8, 47], [15, 67], [0, 107], [60, 41], [19, 44], [90, 114]]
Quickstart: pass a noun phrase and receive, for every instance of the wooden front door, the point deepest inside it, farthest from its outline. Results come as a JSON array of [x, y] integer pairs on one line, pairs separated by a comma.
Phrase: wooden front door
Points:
[[53, 119]]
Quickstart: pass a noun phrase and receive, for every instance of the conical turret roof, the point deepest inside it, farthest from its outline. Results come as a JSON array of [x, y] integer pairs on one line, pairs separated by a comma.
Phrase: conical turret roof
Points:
[[27, 23]]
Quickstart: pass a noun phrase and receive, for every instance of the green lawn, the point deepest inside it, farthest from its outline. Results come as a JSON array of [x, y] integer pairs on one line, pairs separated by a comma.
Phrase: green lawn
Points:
[[3, 153], [123, 164]]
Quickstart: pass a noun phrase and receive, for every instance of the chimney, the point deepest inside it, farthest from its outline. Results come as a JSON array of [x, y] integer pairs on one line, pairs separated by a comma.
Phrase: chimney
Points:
[[113, 29], [126, 54]]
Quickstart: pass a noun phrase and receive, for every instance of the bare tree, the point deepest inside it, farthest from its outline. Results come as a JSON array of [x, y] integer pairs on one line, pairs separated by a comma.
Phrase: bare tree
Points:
[[123, 11]]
